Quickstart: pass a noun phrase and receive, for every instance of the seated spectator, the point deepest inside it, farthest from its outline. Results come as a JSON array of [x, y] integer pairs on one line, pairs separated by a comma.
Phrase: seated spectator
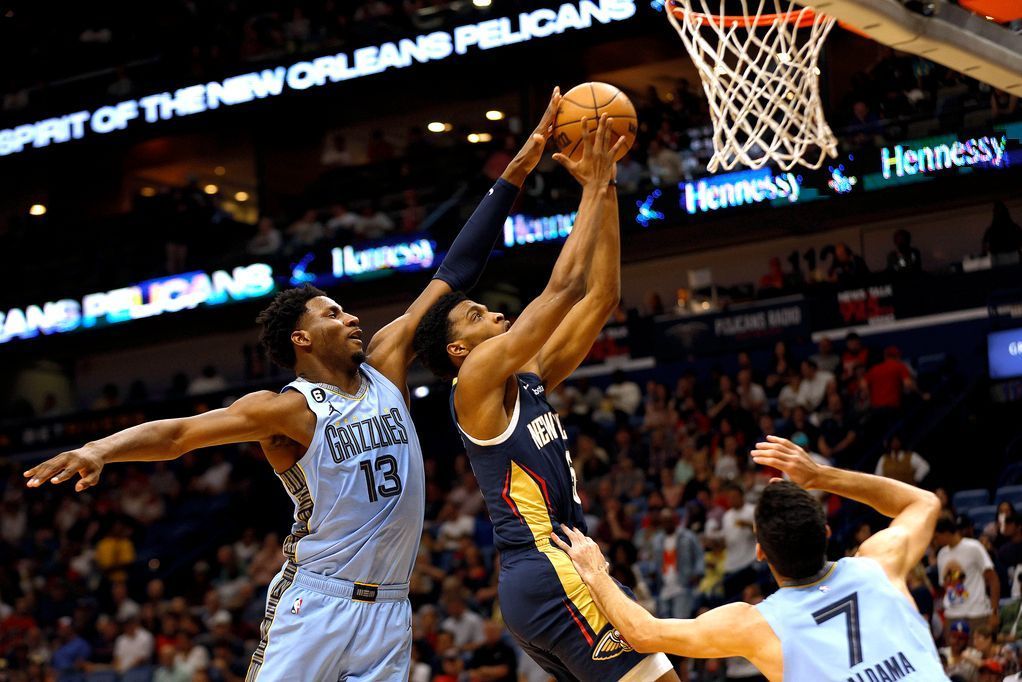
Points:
[[901, 464], [837, 431], [342, 224], [854, 355], [133, 647], [825, 357], [751, 396], [787, 399], [267, 240], [335, 151], [1009, 556], [306, 231], [774, 279], [379, 149], [209, 382], [960, 659], [493, 661], [813, 387], [465, 626], [625, 394], [864, 127], [847, 267], [665, 167], [889, 380], [905, 258], [73, 651], [373, 223]]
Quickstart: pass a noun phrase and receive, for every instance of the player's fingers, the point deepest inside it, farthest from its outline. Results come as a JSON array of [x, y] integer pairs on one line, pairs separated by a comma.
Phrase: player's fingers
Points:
[[565, 161], [87, 481], [45, 470], [601, 131], [608, 131], [617, 147], [64, 475], [559, 542], [587, 137]]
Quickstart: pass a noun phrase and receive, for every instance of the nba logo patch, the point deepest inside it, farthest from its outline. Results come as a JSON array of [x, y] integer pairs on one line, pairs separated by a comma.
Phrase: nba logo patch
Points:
[[296, 608], [318, 394]]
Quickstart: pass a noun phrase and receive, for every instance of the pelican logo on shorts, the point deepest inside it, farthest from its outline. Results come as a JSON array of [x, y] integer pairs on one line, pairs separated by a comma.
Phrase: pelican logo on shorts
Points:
[[296, 608], [319, 395], [611, 645]]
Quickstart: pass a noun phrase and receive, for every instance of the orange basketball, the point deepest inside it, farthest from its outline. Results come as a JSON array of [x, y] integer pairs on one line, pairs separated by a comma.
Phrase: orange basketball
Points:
[[588, 101]]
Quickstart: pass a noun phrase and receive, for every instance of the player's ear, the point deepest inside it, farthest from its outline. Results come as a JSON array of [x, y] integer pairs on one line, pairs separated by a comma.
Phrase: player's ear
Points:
[[761, 555], [827, 527], [457, 349], [300, 337]]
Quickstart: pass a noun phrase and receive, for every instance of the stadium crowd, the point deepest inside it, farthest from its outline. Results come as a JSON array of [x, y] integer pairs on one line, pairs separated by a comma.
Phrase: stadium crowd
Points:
[[160, 573]]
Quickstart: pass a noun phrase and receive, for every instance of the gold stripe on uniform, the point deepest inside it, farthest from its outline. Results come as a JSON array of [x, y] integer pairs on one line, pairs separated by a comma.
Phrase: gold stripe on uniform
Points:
[[297, 484], [277, 591], [532, 505]]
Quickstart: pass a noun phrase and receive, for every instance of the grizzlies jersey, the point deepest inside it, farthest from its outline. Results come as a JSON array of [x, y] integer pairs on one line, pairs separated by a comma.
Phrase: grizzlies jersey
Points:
[[525, 473], [852, 625], [359, 490]]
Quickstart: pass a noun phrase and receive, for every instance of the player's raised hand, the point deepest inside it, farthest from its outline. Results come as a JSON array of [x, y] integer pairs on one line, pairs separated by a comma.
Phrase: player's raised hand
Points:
[[782, 454], [599, 151], [583, 552], [64, 466], [532, 151]]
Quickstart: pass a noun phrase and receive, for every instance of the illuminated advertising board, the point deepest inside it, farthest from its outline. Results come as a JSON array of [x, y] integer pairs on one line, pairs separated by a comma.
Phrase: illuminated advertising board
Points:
[[151, 298], [367, 261], [739, 189], [909, 159], [317, 72]]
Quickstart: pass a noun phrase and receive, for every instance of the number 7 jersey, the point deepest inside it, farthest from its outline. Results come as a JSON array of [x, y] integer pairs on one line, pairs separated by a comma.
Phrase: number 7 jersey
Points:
[[359, 490], [525, 473], [851, 625]]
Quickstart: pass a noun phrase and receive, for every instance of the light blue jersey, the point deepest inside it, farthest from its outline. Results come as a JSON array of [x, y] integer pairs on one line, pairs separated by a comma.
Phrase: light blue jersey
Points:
[[338, 609], [852, 625], [359, 491]]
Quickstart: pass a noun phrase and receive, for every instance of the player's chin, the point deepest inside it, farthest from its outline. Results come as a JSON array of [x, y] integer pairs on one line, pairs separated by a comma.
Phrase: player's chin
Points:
[[358, 358]]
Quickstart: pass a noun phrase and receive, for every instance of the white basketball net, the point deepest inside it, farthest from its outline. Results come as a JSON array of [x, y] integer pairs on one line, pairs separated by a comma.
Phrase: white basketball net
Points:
[[762, 82]]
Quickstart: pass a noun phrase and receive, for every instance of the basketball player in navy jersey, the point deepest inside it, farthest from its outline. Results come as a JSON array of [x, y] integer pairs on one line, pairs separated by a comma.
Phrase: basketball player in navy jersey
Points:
[[340, 438], [849, 621], [517, 446]]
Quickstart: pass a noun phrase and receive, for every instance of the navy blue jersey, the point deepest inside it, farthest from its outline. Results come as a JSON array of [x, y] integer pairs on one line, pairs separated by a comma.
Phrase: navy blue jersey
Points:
[[525, 473]]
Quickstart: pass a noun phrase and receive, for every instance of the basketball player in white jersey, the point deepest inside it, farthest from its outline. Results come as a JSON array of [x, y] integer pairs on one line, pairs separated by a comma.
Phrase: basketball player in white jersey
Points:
[[340, 438], [849, 621]]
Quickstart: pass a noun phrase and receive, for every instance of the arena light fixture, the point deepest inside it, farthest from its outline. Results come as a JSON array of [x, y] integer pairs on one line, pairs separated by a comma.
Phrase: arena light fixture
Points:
[[476, 138], [495, 115], [241, 196], [148, 191], [37, 209], [220, 170], [211, 189], [482, 3], [421, 392], [439, 127]]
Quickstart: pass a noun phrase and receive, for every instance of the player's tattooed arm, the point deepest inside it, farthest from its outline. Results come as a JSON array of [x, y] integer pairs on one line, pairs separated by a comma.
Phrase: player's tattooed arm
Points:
[[255, 417]]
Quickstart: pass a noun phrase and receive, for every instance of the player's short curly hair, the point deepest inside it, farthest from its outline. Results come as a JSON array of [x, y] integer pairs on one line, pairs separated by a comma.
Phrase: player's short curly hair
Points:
[[791, 528], [434, 333], [280, 318]]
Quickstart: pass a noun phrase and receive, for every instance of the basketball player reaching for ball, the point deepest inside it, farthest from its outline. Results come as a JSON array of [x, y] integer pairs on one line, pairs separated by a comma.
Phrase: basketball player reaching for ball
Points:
[[849, 621], [515, 443], [340, 438]]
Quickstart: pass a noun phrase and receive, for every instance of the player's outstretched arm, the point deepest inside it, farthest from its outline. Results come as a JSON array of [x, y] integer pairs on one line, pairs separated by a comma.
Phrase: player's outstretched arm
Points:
[[569, 345], [726, 631], [254, 417], [914, 511], [390, 350], [493, 361]]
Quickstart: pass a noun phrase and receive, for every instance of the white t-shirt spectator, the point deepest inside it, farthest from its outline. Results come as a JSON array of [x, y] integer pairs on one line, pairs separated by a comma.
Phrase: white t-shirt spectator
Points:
[[812, 391], [466, 628], [787, 399], [736, 530], [626, 396], [753, 398], [451, 532], [133, 650], [961, 571]]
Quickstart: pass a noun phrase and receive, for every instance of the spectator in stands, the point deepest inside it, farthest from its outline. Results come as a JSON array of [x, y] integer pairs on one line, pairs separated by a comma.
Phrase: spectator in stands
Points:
[[751, 396], [625, 395], [774, 280], [210, 381], [781, 365], [267, 239], [379, 149], [629, 174], [889, 380], [854, 355], [493, 661], [837, 431], [373, 223], [335, 151], [814, 384], [305, 232], [847, 267], [342, 226], [73, 651], [1003, 238], [825, 357], [133, 647], [678, 557], [901, 464], [115, 552], [412, 213], [960, 659], [905, 258], [1009, 556], [465, 626], [735, 529], [665, 166], [170, 668], [864, 128], [967, 576]]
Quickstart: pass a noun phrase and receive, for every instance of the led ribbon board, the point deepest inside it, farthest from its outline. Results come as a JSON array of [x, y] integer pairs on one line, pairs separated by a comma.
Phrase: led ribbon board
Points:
[[151, 298], [303, 75]]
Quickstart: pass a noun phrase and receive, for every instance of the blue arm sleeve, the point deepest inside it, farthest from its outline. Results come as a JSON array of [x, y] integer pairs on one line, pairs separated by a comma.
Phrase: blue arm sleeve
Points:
[[465, 260]]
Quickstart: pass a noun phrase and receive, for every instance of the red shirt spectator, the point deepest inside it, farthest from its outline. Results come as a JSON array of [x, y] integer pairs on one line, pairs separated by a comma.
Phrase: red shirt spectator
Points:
[[854, 354], [888, 380]]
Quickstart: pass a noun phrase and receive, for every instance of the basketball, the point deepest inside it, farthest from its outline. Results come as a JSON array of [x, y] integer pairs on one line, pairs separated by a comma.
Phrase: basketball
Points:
[[589, 101]]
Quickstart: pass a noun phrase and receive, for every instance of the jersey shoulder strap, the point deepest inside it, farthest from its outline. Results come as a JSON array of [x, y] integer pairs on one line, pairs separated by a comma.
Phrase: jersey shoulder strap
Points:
[[317, 397]]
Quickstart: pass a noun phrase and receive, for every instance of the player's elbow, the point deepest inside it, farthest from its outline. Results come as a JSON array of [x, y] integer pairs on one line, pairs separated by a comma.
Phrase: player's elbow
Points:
[[642, 641], [570, 285]]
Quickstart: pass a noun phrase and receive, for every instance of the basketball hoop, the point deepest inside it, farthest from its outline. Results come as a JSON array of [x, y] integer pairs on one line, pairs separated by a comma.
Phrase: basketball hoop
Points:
[[759, 71]]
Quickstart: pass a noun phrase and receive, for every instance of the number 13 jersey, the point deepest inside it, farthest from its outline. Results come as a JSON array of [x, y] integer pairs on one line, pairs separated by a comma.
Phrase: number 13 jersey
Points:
[[359, 490]]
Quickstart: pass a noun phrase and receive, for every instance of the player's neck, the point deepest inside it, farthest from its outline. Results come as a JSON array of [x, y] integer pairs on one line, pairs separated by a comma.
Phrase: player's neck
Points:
[[348, 380]]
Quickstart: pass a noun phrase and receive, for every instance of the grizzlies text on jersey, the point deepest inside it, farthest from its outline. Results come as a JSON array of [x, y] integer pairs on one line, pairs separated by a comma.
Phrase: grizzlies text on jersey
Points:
[[359, 496]]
